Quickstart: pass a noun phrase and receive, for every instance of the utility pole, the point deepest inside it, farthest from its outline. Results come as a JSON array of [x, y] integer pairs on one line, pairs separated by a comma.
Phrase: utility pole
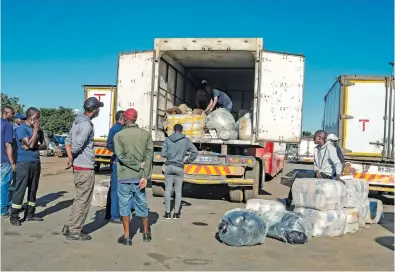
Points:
[[392, 68]]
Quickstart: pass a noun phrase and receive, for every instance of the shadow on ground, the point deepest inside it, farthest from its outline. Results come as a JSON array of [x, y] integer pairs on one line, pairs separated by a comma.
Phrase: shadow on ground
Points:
[[56, 208], [97, 223], [386, 241], [137, 226], [44, 200]]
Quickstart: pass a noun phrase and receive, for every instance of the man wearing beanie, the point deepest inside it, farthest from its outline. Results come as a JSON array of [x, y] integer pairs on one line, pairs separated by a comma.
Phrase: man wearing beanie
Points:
[[135, 151]]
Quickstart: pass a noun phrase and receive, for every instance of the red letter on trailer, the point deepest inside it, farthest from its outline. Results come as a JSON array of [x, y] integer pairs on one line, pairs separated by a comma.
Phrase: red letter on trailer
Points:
[[99, 95], [364, 121]]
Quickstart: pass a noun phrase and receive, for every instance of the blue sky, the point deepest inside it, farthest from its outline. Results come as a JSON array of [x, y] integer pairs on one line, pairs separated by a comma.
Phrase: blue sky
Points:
[[49, 48]]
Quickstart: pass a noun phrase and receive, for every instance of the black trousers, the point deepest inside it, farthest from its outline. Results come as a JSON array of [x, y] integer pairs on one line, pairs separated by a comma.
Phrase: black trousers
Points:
[[304, 175], [27, 176]]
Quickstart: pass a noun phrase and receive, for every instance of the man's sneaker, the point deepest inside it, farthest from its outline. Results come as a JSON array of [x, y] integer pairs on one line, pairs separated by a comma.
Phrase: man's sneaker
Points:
[[126, 241], [15, 221], [33, 218], [147, 237], [78, 236], [167, 216], [116, 221], [177, 216]]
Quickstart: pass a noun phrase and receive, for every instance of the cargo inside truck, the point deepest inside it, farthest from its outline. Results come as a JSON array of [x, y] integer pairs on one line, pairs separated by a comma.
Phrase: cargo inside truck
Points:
[[181, 72]]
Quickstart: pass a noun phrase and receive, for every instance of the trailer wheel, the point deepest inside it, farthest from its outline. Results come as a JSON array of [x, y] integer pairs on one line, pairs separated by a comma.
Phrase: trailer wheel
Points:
[[235, 195], [158, 190], [254, 174]]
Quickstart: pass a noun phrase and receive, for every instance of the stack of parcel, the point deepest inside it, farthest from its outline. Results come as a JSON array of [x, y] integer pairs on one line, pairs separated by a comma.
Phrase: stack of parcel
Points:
[[335, 209]]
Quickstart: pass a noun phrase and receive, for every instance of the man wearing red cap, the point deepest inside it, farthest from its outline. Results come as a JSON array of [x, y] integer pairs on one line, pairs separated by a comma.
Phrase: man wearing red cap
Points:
[[135, 151]]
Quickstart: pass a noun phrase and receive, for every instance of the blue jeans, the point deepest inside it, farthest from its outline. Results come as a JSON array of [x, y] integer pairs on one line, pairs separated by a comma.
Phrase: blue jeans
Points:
[[114, 193], [6, 177], [128, 192]]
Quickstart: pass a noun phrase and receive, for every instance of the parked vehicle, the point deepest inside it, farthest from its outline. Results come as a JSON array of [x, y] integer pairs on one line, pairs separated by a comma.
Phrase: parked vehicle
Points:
[[269, 83], [361, 111], [306, 150], [103, 123]]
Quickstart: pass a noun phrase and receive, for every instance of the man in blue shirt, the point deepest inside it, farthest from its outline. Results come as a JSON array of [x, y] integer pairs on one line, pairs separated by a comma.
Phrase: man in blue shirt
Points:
[[28, 167], [112, 197], [219, 99], [19, 118], [7, 160]]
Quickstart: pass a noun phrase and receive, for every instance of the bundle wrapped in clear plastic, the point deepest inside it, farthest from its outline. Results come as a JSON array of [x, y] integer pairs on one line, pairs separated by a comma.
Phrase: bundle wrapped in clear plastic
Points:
[[242, 228], [319, 194], [227, 135], [292, 228], [265, 207], [363, 213], [351, 227], [357, 191], [352, 220], [376, 211], [245, 127], [220, 119], [325, 223]]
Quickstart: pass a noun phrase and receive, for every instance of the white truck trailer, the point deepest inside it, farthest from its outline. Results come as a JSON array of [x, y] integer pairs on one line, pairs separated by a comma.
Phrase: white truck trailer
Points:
[[268, 83], [360, 110], [306, 150]]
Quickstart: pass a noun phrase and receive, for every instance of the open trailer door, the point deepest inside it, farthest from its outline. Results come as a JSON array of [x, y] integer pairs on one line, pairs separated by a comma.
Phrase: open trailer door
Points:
[[134, 84], [280, 97]]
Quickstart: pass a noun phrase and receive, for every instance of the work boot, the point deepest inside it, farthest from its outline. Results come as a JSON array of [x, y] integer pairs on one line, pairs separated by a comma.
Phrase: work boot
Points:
[[78, 236], [147, 237], [176, 216], [126, 241], [15, 221], [167, 216]]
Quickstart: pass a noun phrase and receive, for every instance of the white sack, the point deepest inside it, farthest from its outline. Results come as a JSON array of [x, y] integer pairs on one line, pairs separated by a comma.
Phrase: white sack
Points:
[[375, 212], [357, 192]]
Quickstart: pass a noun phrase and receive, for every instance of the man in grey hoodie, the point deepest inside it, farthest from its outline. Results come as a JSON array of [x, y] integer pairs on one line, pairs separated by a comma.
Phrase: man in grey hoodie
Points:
[[174, 149], [80, 150]]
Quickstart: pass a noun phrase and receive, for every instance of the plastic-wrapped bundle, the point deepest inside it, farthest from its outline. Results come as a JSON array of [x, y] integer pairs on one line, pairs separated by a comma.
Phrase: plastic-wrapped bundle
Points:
[[357, 192], [193, 124], [351, 227], [227, 135], [363, 213], [292, 228], [264, 206], [242, 228], [352, 220], [220, 119], [319, 194], [245, 127], [325, 223], [99, 197], [376, 211]]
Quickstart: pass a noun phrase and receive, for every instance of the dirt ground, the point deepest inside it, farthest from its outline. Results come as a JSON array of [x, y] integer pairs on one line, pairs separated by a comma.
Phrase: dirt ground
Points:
[[187, 244]]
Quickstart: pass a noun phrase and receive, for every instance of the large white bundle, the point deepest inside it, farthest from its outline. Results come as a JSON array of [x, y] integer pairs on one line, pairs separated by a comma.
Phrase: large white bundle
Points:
[[375, 212], [263, 206], [220, 119], [351, 227], [325, 223], [320, 194], [245, 127], [352, 215], [363, 213], [357, 192]]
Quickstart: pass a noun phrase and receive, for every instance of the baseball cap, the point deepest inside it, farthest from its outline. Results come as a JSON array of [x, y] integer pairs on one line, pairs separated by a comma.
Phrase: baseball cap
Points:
[[130, 114], [20, 116], [92, 103], [332, 137]]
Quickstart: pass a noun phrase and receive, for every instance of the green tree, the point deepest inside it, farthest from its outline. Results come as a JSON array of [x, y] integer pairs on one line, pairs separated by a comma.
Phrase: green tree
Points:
[[57, 121], [11, 101], [307, 134]]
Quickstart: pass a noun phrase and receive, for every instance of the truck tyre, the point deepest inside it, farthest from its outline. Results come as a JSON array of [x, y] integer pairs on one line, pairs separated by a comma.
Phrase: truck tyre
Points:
[[97, 167], [158, 190], [254, 174], [235, 195]]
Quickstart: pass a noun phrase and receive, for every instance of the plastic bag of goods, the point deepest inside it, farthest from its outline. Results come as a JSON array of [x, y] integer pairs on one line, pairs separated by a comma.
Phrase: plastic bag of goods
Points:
[[193, 124], [375, 212], [245, 127], [264, 206], [292, 228], [352, 220], [325, 223], [241, 228], [363, 213], [99, 198], [220, 119], [227, 135], [357, 191], [320, 194]]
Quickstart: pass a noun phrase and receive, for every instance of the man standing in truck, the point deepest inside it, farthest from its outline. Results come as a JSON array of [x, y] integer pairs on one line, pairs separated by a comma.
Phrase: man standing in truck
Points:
[[217, 98], [135, 151], [80, 151], [174, 149], [112, 208]]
